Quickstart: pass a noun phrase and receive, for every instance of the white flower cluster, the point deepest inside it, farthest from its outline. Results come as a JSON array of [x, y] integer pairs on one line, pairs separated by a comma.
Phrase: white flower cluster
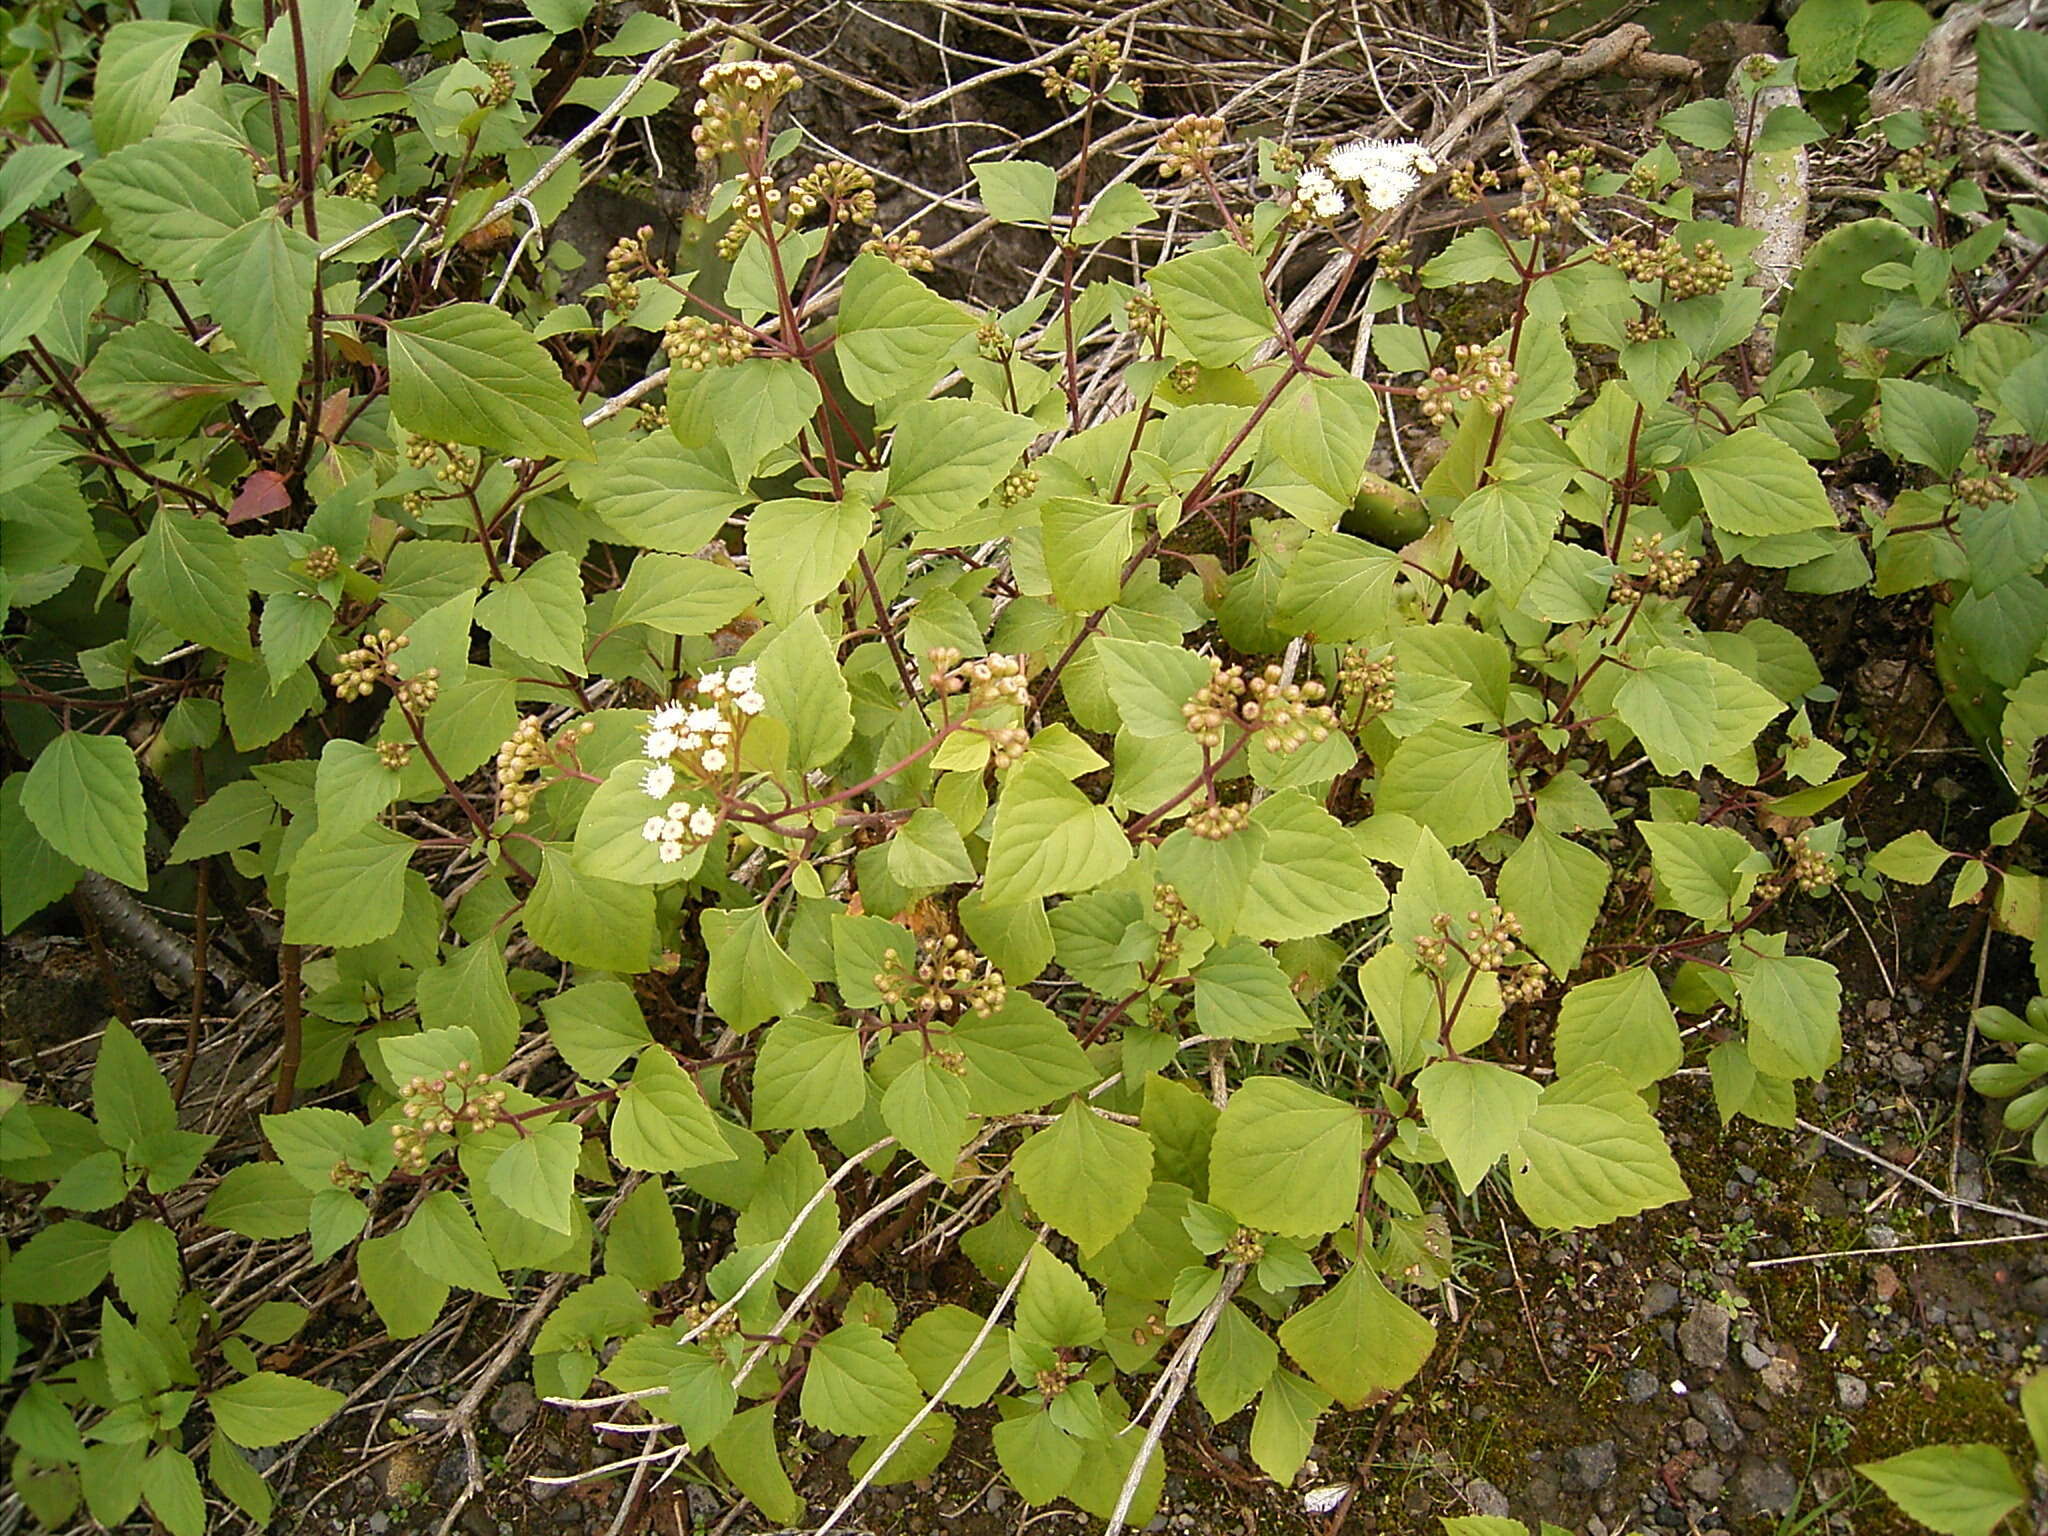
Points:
[[679, 828], [1386, 172], [703, 731], [1316, 194]]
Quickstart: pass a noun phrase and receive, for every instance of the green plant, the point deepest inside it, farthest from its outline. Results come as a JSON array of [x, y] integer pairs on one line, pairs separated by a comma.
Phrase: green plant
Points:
[[869, 777], [1964, 1490], [2019, 1081]]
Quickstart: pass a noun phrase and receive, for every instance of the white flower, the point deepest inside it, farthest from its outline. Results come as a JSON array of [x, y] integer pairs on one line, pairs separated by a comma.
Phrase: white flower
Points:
[[1315, 193], [702, 822], [671, 853], [660, 742], [1386, 189], [705, 720], [689, 741], [667, 718], [1329, 204], [654, 829], [1387, 172], [750, 703], [680, 811], [658, 781], [740, 680], [713, 759], [710, 684]]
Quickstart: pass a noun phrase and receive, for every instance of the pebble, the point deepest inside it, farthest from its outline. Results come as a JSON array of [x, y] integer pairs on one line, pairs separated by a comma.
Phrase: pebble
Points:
[[1486, 1499], [1707, 1482], [1589, 1468], [1659, 1297], [514, 1406], [1703, 1336], [1756, 1359], [1852, 1392], [1766, 1487], [1714, 1415], [1640, 1386]]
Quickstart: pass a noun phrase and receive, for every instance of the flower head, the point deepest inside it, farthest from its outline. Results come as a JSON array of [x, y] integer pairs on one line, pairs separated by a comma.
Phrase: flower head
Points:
[[1316, 194], [1386, 172], [658, 781], [660, 742], [713, 759], [703, 821]]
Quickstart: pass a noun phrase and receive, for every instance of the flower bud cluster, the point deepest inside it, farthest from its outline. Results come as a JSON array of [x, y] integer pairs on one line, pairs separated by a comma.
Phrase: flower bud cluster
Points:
[[394, 755], [1468, 183], [945, 979], [1006, 743], [681, 827], [435, 1106], [1365, 683], [361, 670], [1215, 705], [1288, 716], [629, 257], [694, 1315], [1684, 274], [417, 695], [1490, 938], [1245, 1247], [846, 189], [758, 207], [1483, 373], [1166, 901], [1096, 61], [695, 343], [323, 562], [521, 754], [1189, 145], [1553, 191], [499, 91], [1978, 491], [1185, 377], [991, 341], [1650, 327], [454, 468], [1665, 570], [1525, 984], [1018, 485], [907, 250], [1147, 319], [986, 681], [1813, 871], [1216, 821], [651, 417], [734, 105], [361, 184]]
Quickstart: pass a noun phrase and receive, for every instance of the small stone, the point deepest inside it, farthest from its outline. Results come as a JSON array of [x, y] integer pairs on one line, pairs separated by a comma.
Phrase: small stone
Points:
[[1640, 1386], [1659, 1297], [1707, 1482], [514, 1406], [2034, 1296], [1765, 1487], [1715, 1416], [1703, 1336], [1781, 1375], [1756, 1359], [1881, 1236], [1589, 1468], [1852, 1392], [1486, 1499]]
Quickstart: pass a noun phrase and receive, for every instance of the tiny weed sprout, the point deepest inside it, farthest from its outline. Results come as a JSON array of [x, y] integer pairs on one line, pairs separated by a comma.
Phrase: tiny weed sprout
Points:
[[680, 790]]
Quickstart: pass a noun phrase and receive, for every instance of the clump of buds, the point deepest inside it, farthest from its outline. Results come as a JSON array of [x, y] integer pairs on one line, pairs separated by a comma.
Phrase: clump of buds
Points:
[[735, 104], [436, 1106], [1553, 191], [1490, 938], [757, 208], [1095, 66], [1665, 570], [1526, 984], [323, 562], [1468, 183], [1189, 146], [1684, 274], [360, 670], [845, 190], [1288, 716], [499, 90], [694, 343], [651, 417], [526, 751], [629, 257], [361, 184], [452, 465], [1365, 683], [941, 981], [984, 682], [1185, 377], [1147, 319], [417, 695], [1245, 1247], [907, 250], [1018, 485], [1215, 704], [991, 341], [1987, 489], [697, 1320], [1483, 373], [1650, 327], [1807, 867], [394, 755], [1215, 821]]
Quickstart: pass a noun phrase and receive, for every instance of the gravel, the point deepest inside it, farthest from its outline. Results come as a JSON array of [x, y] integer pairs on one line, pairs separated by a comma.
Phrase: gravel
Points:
[[1703, 1336]]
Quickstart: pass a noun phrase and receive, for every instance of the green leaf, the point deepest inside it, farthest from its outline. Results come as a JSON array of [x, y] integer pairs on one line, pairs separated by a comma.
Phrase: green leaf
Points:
[[857, 1384], [61, 1264], [170, 1487], [926, 1109], [1826, 41], [133, 79], [1087, 544], [662, 1124], [269, 1409], [927, 850], [659, 495], [169, 202], [536, 1175], [1116, 210], [680, 595], [1925, 425], [604, 924], [807, 1075], [443, 1240], [1285, 1159], [30, 292], [540, 612], [1700, 870], [1506, 528], [753, 408], [1020, 1057], [1794, 1007], [1339, 589], [347, 887], [2012, 80], [233, 1476], [1452, 780], [946, 456], [1592, 1153], [751, 978], [1241, 993], [1236, 1363], [595, 1026], [1085, 1176], [895, 335], [2034, 1409], [1038, 1457], [351, 787], [1752, 483], [1476, 1111], [1708, 124], [1049, 837], [259, 1200], [642, 1245], [611, 840], [1959, 1490], [1358, 1339], [1310, 879], [328, 27], [800, 548], [147, 1273], [131, 1101], [83, 795], [1556, 889], [1215, 301], [935, 1343], [1150, 683], [1689, 710], [152, 381], [798, 674], [259, 283], [1284, 1428], [1055, 1308], [406, 1297], [1016, 191], [189, 579], [1623, 1021], [745, 1452], [468, 373]]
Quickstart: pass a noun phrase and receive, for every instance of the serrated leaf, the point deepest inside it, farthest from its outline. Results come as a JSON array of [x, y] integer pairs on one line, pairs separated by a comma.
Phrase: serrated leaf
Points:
[[1085, 1176], [168, 202], [680, 595], [83, 795], [1049, 838], [1452, 780], [1285, 1159], [470, 374], [347, 887], [1592, 1153], [661, 1123], [189, 579], [1358, 1339], [1476, 1111], [1752, 483], [1556, 889], [268, 1408], [442, 1239], [259, 282], [1623, 1021], [536, 1175], [1959, 1490], [1215, 300], [925, 1108], [857, 1384], [1794, 1007]]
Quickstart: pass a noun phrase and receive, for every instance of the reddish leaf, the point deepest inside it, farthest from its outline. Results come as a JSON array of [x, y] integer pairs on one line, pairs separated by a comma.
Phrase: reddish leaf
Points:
[[261, 494]]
